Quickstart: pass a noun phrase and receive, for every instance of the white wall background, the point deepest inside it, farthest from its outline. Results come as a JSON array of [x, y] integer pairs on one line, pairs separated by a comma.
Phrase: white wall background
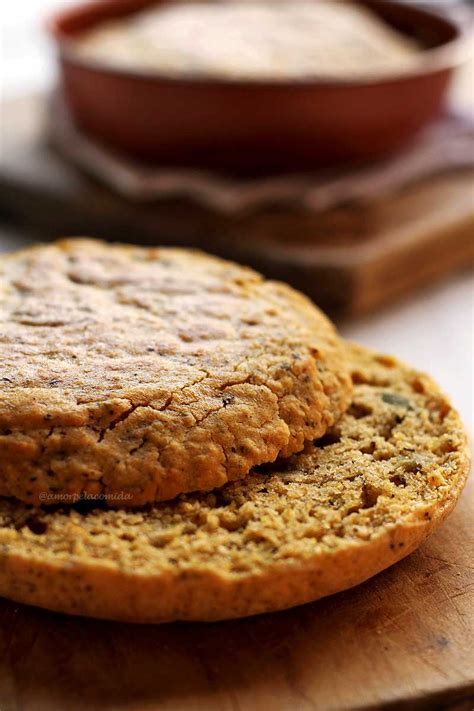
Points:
[[25, 56]]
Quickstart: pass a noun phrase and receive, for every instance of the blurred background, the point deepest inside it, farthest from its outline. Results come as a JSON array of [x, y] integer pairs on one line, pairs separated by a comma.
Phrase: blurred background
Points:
[[383, 242], [28, 56]]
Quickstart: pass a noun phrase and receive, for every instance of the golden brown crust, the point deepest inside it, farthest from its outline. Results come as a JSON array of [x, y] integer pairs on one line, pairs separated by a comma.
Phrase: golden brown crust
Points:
[[366, 495], [136, 374]]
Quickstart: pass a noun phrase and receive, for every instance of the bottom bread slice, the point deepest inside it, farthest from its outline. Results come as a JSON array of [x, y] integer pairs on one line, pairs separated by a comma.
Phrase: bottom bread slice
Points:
[[358, 500]]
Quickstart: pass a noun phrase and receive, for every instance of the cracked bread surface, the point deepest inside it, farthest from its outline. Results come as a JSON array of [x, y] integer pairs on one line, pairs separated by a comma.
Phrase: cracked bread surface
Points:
[[135, 374], [359, 499]]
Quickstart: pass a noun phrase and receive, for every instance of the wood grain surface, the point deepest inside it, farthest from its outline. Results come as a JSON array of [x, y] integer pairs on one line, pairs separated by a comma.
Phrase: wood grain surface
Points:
[[403, 640], [349, 259]]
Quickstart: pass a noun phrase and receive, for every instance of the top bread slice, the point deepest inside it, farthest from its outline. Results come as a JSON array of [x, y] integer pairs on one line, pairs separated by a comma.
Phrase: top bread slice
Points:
[[134, 374]]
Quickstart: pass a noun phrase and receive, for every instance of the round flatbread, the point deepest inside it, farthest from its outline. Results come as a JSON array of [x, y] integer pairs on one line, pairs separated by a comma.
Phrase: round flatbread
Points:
[[362, 497], [134, 374]]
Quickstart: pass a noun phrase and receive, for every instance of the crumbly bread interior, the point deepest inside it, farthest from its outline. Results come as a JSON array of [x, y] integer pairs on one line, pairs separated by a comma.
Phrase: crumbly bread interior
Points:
[[397, 456]]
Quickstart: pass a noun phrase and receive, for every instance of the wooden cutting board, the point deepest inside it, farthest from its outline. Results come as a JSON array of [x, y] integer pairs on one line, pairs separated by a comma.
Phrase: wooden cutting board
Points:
[[403, 640], [350, 259]]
